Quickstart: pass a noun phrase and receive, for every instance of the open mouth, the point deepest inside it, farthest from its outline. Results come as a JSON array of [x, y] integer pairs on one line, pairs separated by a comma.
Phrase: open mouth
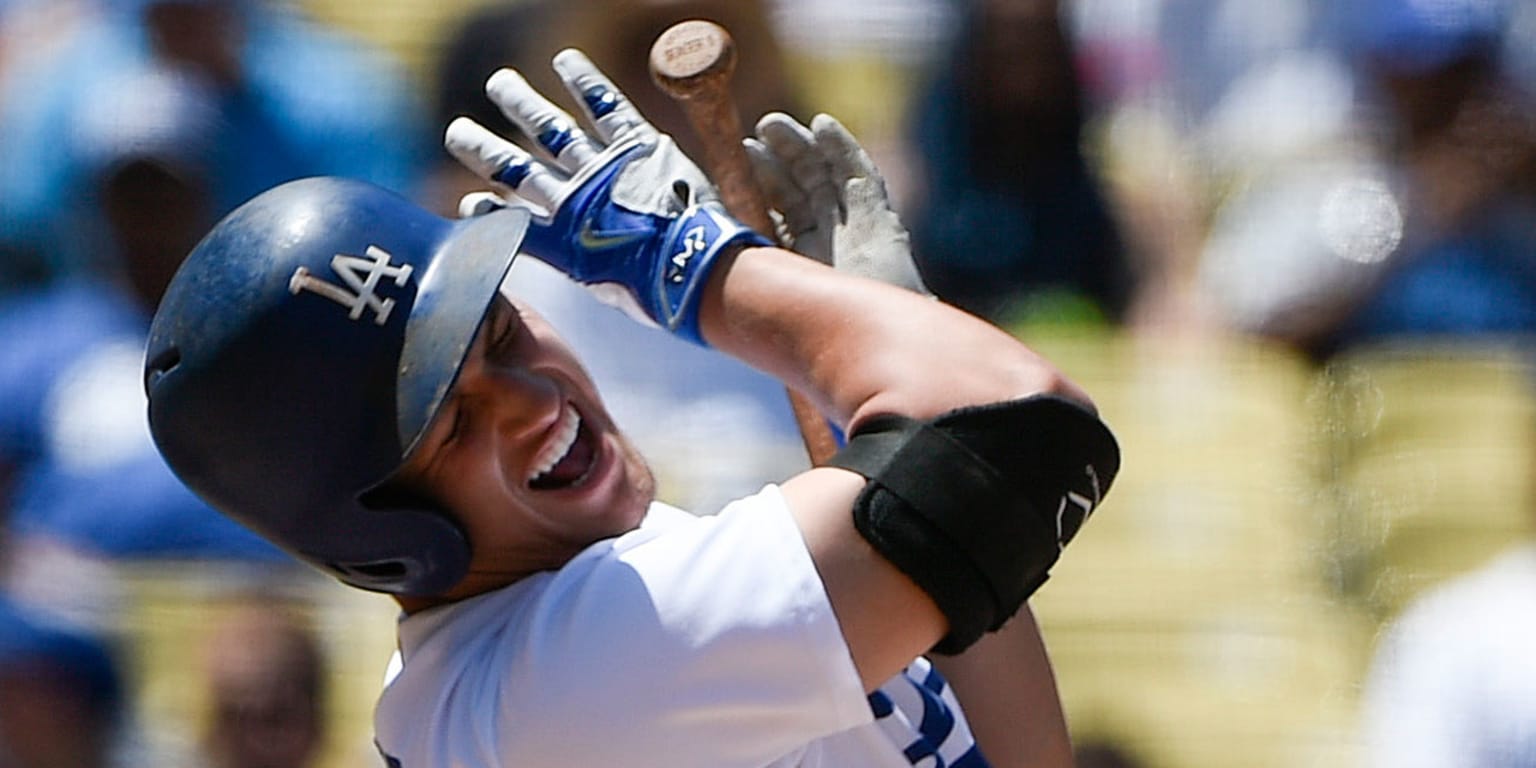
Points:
[[568, 456]]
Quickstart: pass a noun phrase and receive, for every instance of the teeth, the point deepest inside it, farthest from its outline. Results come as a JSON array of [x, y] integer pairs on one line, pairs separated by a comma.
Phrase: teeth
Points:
[[565, 437]]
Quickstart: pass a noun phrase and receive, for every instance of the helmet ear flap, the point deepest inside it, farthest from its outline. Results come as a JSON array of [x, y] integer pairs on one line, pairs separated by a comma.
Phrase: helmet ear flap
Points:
[[427, 555], [372, 574], [437, 562]]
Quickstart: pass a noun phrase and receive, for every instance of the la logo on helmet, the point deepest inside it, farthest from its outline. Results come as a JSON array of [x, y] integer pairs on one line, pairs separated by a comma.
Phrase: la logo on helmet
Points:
[[362, 275]]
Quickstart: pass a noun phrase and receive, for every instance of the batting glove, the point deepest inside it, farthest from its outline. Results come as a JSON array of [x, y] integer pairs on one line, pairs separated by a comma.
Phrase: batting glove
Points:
[[622, 210], [829, 199]]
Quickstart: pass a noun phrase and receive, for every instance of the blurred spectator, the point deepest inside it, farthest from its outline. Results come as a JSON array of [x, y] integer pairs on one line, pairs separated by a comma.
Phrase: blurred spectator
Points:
[[87, 486], [288, 99], [1409, 215], [1462, 137], [30, 30], [713, 427], [60, 694], [499, 34], [265, 675], [1008, 218], [492, 36], [1454, 680], [1104, 753], [1192, 100]]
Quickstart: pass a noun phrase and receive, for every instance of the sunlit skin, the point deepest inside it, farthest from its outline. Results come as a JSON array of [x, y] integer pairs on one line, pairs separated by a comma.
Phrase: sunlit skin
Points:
[[850, 341], [505, 414]]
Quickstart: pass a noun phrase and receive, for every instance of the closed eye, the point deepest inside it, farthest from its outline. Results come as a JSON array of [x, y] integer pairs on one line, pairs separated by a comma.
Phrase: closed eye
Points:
[[509, 330], [455, 422], [428, 454], [503, 327], [436, 443]]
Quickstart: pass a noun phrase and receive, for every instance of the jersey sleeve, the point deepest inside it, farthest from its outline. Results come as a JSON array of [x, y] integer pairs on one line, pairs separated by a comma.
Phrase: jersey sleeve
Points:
[[707, 641]]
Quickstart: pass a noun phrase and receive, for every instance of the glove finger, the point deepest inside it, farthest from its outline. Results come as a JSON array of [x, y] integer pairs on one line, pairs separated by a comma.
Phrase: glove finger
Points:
[[781, 233], [844, 156], [796, 147], [610, 112], [552, 129], [772, 177], [789, 203], [783, 196], [480, 203], [491, 157], [791, 145], [789, 141]]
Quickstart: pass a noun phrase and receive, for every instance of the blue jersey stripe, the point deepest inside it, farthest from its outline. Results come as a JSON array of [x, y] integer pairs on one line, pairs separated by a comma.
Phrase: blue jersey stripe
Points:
[[915, 711]]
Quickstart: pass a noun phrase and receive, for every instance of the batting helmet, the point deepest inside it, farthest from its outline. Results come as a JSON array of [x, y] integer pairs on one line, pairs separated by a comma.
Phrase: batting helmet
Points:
[[300, 352]]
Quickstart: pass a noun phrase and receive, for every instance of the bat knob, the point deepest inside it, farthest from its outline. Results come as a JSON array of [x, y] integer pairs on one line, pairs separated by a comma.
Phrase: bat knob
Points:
[[692, 57]]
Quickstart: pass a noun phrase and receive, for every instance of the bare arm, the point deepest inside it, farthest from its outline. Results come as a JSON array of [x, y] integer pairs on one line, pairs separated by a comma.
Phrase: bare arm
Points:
[[634, 219], [860, 348], [1008, 690]]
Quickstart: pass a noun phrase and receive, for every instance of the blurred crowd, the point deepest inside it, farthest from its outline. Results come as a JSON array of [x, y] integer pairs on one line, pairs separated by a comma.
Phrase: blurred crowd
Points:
[[1319, 176]]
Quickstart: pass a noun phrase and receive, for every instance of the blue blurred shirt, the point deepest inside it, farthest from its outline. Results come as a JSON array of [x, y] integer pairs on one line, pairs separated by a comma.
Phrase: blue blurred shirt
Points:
[[313, 102], [1479, 281], [73, 428]]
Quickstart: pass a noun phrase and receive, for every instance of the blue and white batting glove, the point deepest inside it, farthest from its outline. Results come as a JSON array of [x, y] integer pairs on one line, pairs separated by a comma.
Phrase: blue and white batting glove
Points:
[[622, 211], [830, 201]]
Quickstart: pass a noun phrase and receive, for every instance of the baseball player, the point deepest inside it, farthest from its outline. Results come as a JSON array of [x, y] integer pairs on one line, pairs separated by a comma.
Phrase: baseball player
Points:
[[336, 368]]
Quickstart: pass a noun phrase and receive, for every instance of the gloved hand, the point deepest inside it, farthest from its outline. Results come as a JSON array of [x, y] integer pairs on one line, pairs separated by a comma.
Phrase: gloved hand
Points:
[[829, 199], [622, 211]]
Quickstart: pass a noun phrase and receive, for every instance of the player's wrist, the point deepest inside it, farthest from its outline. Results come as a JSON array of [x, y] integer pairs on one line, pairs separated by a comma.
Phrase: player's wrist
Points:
[[662, 262], [695, 245]]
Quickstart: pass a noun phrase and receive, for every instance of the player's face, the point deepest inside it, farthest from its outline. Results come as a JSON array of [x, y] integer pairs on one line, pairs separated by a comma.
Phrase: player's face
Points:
[[525, 456]]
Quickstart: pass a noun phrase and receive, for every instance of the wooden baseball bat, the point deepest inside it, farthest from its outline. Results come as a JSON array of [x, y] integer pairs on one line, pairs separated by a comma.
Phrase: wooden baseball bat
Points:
[[692, 61]]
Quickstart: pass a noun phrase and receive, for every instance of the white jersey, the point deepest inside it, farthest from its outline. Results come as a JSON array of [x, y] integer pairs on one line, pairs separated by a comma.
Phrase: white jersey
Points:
[[691, 641], [1454, 679]]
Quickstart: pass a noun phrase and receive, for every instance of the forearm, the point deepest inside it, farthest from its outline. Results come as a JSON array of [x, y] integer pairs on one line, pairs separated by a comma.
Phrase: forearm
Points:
[[1008, 690], [858, 347], [623, 211]]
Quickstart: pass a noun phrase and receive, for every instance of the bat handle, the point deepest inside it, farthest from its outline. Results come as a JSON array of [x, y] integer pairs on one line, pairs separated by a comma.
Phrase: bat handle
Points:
[[692, 61]]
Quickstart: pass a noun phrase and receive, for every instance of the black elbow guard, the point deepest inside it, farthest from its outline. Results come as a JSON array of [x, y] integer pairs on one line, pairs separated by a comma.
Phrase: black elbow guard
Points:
[[976, 505]]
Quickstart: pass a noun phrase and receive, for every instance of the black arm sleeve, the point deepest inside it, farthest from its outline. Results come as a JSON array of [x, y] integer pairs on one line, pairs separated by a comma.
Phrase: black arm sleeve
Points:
[[976, 505]]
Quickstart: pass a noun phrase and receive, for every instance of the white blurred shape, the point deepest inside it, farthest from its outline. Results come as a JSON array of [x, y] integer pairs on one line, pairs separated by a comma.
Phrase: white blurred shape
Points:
[[1288, 255], [1360, 221], [1288, 108], [96, 412]]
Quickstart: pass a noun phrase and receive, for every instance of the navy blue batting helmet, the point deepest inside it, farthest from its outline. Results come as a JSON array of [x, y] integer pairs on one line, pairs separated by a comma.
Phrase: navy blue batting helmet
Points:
[[302, 350]]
